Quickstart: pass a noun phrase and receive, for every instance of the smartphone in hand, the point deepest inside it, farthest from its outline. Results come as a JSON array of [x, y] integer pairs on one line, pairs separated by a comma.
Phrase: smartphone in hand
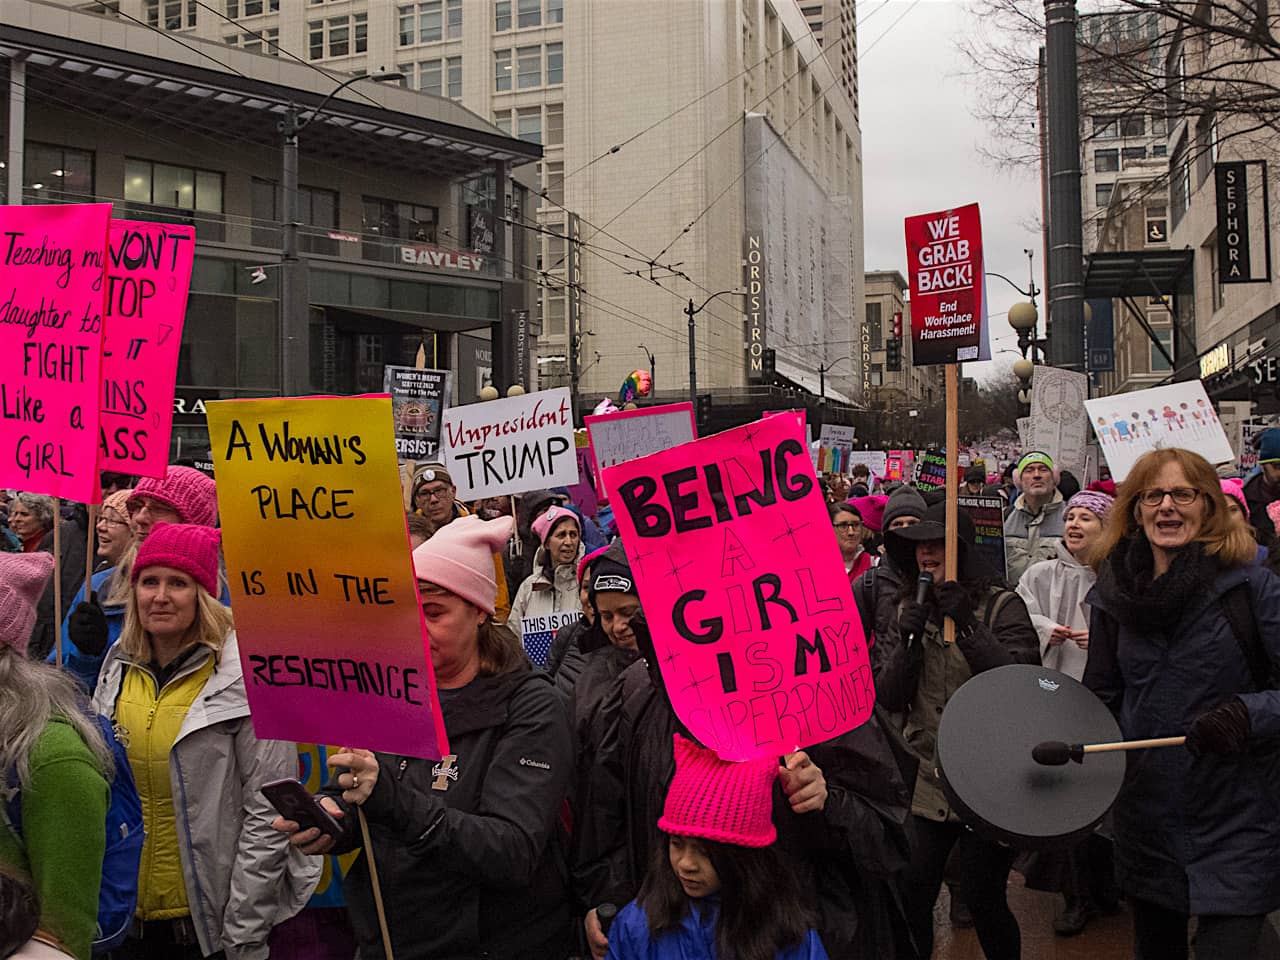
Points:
[[293, 802]]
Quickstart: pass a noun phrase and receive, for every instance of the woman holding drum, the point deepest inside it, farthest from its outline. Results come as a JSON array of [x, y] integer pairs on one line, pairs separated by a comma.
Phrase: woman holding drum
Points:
[[1184, 637]]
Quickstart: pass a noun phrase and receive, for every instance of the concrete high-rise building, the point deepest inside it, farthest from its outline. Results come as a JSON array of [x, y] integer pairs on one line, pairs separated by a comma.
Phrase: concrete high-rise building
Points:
[[678, 133]]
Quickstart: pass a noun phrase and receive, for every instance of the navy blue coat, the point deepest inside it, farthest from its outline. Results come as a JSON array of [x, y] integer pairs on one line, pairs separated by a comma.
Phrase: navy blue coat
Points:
[[1197, 835]]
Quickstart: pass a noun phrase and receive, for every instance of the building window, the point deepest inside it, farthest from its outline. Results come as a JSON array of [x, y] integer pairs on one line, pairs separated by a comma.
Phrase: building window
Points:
[[1158, 363], [501, 70], [529, 13], [555, 125], [877, 375], [362, 32], [1133, 154], [555, 11], [1157, 225], [553, 182], [1106, 128], [1159, 125], [455, 78], [430, 76], [1106, 161], [251, 8], [315, 40], [453, 20], [429, 19], [874, 321], [163, 185], [529, 67], [555, 64], [502, 120], [1159, 150], [175, 14], [1133, 126], [529, 124], [52, 172], [392, 220], [339, 37], [1102, 194], [501, 16]]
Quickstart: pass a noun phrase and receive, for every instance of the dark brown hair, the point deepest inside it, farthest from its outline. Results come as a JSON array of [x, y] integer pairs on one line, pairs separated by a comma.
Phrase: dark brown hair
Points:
[[1230, 542], [761, 909], [500, 650]]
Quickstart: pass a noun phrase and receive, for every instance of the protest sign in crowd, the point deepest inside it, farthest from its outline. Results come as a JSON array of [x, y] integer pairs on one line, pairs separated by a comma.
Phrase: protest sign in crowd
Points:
[[609, 690]]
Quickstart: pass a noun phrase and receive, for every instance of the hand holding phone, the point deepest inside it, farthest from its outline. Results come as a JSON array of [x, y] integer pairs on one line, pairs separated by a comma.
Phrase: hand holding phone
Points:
[[293, 802]]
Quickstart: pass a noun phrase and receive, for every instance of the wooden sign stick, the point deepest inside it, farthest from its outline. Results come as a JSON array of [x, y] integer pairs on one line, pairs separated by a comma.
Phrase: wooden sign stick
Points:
[[377, 888], [90, 554], [57, 580], [951, 561]]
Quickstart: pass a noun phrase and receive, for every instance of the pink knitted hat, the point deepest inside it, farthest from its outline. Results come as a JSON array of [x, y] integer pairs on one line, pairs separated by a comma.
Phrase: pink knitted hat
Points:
[[23, 578], [187, 490], [1273, 511], [188, 547], [547, 522], [459, 558], [871, 509], [1235, 488], [718, 800]]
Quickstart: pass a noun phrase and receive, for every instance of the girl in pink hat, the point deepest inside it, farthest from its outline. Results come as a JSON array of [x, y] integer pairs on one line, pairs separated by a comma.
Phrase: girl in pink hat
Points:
[[717, 888]]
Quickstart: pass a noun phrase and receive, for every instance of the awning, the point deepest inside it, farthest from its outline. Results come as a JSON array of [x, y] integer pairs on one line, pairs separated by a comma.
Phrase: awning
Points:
[[1136, 273], [807, 380]]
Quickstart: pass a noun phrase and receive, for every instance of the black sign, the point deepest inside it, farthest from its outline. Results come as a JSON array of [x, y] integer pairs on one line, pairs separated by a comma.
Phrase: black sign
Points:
[[987, 514], [418, 399], [1101, 337], [1235, 182]]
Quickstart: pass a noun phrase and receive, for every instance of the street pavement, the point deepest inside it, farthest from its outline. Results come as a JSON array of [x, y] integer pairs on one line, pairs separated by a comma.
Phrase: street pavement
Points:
[[1106, 938]]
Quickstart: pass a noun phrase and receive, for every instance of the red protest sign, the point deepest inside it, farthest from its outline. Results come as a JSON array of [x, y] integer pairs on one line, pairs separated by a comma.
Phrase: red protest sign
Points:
[[948, 302]]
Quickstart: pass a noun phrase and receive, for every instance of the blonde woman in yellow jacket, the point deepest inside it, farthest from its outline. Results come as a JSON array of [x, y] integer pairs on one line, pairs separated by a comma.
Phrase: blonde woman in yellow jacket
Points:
[[214, 876]]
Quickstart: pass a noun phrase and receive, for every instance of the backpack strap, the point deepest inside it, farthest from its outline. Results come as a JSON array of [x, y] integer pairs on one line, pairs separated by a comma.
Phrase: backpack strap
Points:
[[1237, 607], [995, 605], [864, 599]]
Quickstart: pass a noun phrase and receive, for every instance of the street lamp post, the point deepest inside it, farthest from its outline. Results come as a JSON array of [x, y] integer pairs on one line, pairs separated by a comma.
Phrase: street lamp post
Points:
[[1023, 317], [823, 370], [691, 311], [293, 307]]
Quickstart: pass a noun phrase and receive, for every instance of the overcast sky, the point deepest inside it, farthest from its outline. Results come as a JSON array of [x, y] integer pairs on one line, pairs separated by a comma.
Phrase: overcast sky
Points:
[[919, 143]]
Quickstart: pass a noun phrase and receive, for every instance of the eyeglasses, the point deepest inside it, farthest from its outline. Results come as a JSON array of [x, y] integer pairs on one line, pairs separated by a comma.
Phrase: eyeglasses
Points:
[[848, 525], [1182, 496], [434, 493], [111, 521]]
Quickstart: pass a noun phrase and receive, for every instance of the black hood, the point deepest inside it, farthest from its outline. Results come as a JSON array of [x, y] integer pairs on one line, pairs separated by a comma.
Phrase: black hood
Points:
[[900, 544]]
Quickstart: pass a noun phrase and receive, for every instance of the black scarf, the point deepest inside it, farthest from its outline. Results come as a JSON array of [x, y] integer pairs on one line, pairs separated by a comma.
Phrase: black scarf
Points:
[[1137, 598]]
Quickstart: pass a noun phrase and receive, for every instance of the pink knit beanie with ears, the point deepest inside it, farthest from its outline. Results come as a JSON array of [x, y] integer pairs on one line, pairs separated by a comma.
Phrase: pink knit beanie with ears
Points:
[[186, 490], [548, 520], [23, 578], [719, 800], [459, 558]]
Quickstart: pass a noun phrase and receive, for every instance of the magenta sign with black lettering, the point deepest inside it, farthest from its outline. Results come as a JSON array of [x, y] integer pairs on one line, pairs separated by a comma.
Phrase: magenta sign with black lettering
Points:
[[753, 622]]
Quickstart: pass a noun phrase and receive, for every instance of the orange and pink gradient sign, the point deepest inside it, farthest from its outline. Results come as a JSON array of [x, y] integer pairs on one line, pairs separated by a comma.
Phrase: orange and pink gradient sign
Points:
[[331, 634], [753, 621]]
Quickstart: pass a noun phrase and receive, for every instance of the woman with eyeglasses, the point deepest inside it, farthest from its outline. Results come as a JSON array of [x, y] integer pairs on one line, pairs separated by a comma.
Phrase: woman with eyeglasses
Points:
[[1183, 639], [850, 532], [98, 624]]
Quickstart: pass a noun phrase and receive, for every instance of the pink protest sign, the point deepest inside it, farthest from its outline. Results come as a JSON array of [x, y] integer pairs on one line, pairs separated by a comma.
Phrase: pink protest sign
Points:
[[753, 620], [51, 262], [148, 278]]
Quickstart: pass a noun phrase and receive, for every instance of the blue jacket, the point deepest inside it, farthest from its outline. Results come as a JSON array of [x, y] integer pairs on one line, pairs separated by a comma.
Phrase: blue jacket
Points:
[[1199, 835], [695, 940], [85, 666]]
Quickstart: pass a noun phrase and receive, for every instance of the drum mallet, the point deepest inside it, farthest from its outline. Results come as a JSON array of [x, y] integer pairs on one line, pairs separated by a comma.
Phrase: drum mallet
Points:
[[1055, 753]]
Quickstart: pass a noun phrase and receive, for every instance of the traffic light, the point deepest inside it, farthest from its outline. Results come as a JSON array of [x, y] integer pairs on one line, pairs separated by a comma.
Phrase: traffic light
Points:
[[703, 411], [897, 325], [893, 356], [769, 361]]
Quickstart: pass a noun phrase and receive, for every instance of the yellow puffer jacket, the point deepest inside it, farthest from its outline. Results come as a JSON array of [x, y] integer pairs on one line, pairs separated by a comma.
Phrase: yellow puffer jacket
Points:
[[147, 723]]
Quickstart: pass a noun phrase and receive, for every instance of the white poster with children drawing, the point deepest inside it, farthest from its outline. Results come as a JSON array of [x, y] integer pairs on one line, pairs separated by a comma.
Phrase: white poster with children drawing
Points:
[[1127, 425]]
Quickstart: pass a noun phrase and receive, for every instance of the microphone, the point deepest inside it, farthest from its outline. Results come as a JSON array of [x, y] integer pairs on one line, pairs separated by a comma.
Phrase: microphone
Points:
[[923, 583]]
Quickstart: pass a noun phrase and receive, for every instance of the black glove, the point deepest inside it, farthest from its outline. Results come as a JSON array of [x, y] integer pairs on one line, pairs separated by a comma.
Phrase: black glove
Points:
[[912, 620], [87, 627], [1224, 729], [954, 602]]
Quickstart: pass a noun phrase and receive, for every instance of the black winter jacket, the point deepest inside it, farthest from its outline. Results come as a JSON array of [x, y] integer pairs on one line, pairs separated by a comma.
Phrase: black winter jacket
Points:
[[843, 855], [1257, 496], [468, 854]]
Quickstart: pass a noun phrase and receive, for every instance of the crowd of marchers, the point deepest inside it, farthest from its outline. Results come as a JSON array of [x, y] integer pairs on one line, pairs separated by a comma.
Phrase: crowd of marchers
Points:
[[575, 816]]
